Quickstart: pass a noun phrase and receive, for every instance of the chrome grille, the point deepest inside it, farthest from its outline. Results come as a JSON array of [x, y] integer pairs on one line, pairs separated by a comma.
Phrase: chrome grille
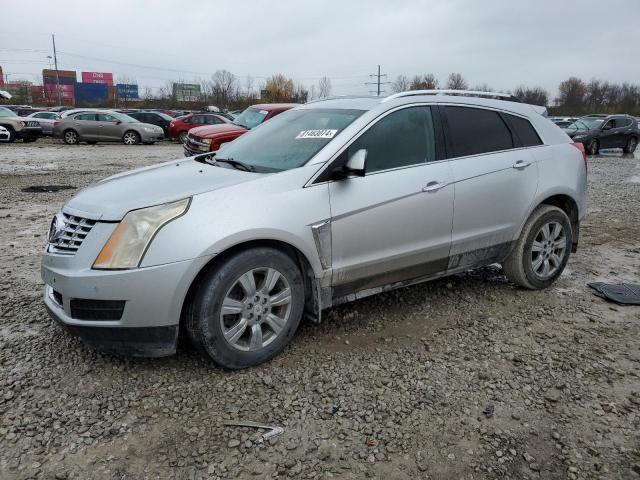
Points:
[[33, 123], [67, 237]]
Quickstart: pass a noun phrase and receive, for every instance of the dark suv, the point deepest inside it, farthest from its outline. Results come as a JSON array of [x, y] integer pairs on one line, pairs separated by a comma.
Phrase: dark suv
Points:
[[597, 132], [155, 118]]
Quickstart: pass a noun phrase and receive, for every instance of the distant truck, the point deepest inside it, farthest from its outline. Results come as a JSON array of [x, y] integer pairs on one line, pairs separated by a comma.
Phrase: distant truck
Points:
[[209, 138]]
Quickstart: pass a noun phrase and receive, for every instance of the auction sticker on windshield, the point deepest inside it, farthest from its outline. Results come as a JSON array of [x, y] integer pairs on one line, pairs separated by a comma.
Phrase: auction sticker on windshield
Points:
[[327, 133]]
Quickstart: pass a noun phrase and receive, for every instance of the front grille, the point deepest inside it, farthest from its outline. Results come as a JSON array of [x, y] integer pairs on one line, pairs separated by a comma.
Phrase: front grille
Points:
[[68, 238], [32, 123], [86, 309]]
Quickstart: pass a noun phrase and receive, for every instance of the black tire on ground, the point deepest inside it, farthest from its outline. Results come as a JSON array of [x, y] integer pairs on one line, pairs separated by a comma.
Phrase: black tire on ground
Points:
[[12, 133], [182, 137], [131, 137], [203, 320], [631, 145], [593, 147], [71, 137], [519, 266]]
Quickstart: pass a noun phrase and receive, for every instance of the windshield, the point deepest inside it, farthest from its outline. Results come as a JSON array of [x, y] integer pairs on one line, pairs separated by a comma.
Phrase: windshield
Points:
[[164, 115], [587, 123], [5, 112], [289, 140], [250, 118], [124, 118]]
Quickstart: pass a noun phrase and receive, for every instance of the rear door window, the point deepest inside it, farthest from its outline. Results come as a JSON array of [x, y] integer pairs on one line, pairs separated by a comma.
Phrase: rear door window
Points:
[[524, 131], [474, 131], [197, 119], [85, 116]]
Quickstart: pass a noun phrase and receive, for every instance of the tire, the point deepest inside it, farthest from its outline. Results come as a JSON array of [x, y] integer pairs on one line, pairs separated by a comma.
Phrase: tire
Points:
[[131, 137], [182, 137], [207, 326], [593, 147], [71, 137], [631, 145], [526, 267], [12, 133]]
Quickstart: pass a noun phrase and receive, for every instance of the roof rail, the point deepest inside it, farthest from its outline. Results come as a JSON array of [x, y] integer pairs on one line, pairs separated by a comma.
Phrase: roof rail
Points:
[[463, 93]]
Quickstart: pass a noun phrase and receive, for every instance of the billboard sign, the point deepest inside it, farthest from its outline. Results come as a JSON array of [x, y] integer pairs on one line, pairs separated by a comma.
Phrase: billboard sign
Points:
[[67, 92], [127, 91], [97, 77], [65, 77], [186, 92]]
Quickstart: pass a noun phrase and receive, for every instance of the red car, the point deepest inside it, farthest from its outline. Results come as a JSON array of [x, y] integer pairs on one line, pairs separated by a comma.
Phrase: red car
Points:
[[209, 138], [180, 126]]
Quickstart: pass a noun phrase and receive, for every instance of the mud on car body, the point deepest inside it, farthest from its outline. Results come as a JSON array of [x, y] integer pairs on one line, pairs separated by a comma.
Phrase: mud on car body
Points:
[[328, 202]]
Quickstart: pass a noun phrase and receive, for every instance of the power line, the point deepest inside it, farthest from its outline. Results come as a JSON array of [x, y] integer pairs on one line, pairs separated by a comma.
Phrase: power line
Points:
[[378, 82]]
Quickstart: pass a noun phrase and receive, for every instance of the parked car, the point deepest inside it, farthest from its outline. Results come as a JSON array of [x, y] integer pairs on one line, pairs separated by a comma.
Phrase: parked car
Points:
[[596, 132], [160, 119], [4, 134], [563, 122], [179, 127], [211, 137], [18, 127], [105, 126], [326, 203], [46, 121]]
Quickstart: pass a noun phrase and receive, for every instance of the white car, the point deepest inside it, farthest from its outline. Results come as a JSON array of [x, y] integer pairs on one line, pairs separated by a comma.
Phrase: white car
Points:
[[4, 134]]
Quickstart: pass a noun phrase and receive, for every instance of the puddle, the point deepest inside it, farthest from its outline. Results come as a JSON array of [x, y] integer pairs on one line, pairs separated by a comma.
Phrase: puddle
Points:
[[47, 188]]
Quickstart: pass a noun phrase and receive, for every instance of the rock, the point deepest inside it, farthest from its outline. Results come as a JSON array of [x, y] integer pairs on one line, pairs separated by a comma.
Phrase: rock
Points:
[[553, 395], [233, 443]]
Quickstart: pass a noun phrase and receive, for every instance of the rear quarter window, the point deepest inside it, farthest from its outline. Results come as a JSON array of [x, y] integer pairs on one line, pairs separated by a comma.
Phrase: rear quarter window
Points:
[[474, 131], [524, 131]]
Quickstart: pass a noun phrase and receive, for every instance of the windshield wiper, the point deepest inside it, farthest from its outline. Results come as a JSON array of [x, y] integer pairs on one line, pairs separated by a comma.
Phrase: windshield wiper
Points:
[[236, 164]]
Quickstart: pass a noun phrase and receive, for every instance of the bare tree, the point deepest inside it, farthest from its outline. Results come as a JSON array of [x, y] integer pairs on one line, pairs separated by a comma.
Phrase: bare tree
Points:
[[225, 88], [424, 82], [400, 84], [324, 87], [483, 87], [571, 96], [312, 93], [248, 87], [533, 96], [457, 82]]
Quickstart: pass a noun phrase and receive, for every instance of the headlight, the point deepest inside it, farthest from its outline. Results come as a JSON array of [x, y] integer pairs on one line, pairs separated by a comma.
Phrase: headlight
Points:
[[128, 243], [207, 141], [149, 129], [579, 137]]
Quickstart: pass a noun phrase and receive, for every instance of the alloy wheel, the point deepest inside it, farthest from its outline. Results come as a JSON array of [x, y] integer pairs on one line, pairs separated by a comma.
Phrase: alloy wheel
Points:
[[71, 137], [256, 309], [130, 138], [548, 250]]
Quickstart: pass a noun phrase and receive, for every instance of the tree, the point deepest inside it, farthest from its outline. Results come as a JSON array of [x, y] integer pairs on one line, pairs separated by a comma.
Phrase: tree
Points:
[[225, 87], [300, 93], [424, 82], [279, 88], [324, 87], [457, 82], [533, 96], [401, 84], [483, 87], [571, 96]]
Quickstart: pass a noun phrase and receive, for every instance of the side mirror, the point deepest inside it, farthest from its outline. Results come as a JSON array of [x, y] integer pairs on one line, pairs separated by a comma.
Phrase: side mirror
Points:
[[356, 163], [118, 122]]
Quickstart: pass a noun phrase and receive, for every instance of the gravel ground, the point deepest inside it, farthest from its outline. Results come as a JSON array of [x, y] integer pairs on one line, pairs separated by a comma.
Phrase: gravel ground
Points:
[[466, 377]]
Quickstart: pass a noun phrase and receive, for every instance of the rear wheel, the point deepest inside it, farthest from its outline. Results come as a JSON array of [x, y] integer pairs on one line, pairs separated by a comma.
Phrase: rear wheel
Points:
[[631, 145], [71, 137], [131, 138], [182, 137], [542, 251], [593, 147], [245, 311]]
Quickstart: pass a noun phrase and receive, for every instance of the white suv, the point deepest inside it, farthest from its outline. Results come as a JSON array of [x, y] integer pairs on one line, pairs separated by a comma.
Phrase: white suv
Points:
[[326, 203]]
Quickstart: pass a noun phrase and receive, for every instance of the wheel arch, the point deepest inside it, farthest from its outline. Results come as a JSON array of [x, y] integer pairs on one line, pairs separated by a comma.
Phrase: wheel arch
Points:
[[310, 281], [568, 205]]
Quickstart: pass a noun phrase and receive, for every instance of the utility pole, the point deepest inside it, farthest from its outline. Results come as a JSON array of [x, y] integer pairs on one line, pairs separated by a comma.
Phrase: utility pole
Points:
[[55, 60], [378, 82]]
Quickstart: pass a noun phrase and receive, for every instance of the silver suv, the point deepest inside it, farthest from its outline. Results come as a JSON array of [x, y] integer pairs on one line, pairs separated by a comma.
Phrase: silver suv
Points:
[[326, 203]]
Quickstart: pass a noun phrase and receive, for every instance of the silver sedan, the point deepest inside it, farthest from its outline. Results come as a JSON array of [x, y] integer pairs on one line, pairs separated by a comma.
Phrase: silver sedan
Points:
[[105, 126]]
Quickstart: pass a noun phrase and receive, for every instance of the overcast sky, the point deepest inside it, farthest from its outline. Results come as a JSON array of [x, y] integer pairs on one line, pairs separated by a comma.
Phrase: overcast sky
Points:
[[504, 43]]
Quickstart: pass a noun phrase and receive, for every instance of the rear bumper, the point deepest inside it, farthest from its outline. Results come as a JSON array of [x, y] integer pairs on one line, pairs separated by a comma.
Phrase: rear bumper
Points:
[[135, 342]]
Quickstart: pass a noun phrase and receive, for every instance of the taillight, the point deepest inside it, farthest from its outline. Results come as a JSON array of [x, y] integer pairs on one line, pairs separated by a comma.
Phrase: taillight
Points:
[[56, 123], [580, 147]]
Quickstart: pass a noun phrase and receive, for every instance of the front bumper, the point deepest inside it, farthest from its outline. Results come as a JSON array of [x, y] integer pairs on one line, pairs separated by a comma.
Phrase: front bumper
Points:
[[152, 296], [151, 137], [29, 132]]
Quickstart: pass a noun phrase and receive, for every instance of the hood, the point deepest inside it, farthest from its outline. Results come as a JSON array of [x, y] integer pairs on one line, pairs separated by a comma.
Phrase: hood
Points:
[[572, 132], [111, 198], [210, 131]]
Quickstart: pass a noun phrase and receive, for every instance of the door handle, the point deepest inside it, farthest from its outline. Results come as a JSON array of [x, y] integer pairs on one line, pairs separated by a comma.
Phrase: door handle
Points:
[[521, 164], [433, 186]]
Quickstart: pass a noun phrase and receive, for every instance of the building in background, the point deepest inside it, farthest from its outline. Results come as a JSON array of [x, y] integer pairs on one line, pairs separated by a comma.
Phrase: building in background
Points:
[[105, 78]]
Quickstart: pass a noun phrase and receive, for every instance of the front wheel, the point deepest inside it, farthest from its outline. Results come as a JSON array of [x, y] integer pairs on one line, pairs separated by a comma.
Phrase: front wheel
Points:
[[247, 309], [631, 145], [593, 147], [131, 138], [71, 137], [542, 251]]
